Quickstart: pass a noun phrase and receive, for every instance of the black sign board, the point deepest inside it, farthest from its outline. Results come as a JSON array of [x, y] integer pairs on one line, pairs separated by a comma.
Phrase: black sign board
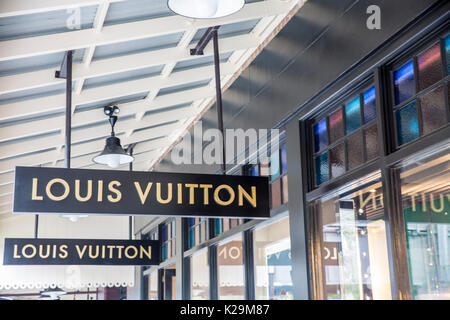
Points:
[[81, 191], [80, 252]]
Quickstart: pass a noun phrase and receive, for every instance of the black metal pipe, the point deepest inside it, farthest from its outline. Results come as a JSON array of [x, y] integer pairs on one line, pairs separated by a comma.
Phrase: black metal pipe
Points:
[[68, 107], [204, 40], [219, 96]]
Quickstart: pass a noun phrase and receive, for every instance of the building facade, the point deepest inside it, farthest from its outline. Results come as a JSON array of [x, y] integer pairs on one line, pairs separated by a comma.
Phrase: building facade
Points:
[[359, 181]]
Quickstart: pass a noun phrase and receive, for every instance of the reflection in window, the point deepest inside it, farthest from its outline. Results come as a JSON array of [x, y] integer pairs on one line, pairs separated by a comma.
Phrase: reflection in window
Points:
[[272, 258], [169, 282], [353, 243], [152, 286], [426, 209], [200, 276], [230, 267]]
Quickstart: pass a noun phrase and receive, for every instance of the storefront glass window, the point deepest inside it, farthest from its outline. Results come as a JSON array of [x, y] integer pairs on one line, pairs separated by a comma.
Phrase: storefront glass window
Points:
[[272, 258], [425, 192], [353, 242], [230, 267], [200, 276]]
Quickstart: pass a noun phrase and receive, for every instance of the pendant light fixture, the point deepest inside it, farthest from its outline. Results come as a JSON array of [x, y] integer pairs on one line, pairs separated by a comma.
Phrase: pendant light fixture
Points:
[[113, 155], [205, 9]]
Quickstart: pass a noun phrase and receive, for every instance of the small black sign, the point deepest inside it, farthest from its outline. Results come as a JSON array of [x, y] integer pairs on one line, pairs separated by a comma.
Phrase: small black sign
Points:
[[82, 191], [80, 252]]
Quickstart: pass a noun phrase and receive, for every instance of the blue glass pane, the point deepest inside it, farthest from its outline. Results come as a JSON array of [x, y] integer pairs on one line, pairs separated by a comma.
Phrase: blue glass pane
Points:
[[407, 124], [164, 233], [352, 115], [404, 87], [320, 135], [283, 160], [254, 171], [370, 106], [191, 222], [274, 165], [447, 52], [322, 173]]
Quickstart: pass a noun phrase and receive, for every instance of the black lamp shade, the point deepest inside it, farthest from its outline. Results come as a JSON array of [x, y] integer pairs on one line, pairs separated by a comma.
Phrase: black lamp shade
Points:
[[113, 155]]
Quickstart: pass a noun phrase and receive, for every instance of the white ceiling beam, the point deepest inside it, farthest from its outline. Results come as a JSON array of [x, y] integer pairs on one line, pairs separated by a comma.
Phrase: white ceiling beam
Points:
[[97, 115], [80, 159], [101, 130], [99, 20], [116, 90], [6, 199], [6, 189], [46, 77], [83, 148], [26, 47], [9, 8]]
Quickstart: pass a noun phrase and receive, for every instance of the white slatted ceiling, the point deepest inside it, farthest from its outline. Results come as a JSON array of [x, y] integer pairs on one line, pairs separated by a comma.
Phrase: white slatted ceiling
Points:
[[134, 53]]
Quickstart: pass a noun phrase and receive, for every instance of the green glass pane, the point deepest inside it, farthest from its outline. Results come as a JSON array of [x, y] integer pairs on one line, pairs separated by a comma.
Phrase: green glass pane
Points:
[[352, 115], [322, 173], [407, 123]]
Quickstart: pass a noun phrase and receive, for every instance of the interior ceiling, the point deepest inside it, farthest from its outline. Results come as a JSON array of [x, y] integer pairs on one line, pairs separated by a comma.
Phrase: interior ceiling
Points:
[[132, 53]]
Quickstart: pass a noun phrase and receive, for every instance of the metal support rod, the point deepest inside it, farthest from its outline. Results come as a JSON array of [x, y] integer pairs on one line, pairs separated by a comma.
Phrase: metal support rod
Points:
[[219, 96], [68, 108]]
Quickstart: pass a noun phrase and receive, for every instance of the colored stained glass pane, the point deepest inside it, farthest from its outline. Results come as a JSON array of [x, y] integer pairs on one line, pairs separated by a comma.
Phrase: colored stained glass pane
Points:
[[218, 226], [447, 52], [164, 251], [404, 87], [322, 173], [407, 124], [320, 135], [370, 106], [276, 193], [164, 233], [433, 110], [337, 160], [284, 184], [264, 168], [191, 222], [274, 165], [355, 150], [191, 238], [336, 126], [283, 160], [371, 136], [429, 66], [254, 171], [352, 115]]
